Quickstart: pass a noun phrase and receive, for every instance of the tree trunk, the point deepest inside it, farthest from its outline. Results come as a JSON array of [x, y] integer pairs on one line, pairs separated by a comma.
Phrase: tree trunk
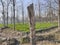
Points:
[[3, 13], [3, 16], [59, 16], [11, 16], [22, 13], [32, 24], [39, 11], [14, 12], [7, 16]]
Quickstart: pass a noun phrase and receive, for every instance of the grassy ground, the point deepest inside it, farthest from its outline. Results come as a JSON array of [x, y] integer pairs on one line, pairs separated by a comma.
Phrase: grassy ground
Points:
[[1, 25], [25, 27]]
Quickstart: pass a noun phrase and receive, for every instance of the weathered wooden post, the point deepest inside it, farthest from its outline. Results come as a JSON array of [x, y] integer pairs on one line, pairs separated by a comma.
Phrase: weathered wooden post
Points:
[[32, 24]]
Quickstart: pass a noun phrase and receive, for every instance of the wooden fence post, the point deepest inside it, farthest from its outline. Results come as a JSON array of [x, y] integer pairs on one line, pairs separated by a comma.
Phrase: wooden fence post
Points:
[[32, 24]]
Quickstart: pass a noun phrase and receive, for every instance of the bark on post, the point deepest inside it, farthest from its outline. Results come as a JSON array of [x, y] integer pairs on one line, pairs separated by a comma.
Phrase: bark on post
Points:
[[59, 16], [32, 24]]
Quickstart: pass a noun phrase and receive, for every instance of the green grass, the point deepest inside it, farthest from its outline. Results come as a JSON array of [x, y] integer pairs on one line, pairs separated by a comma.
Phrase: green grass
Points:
[[25, 27], [45, 25], [1, 25]]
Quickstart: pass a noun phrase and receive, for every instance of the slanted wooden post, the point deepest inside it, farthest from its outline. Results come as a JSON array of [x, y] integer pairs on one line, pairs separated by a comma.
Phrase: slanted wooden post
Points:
[[32, 24]]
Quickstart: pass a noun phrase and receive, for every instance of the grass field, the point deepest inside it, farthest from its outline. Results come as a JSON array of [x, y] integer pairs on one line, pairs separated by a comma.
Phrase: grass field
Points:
[[25, 27], [1, 25]]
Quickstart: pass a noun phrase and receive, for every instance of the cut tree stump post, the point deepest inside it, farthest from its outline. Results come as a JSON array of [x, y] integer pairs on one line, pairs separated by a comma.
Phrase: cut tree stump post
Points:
[[32, 24]]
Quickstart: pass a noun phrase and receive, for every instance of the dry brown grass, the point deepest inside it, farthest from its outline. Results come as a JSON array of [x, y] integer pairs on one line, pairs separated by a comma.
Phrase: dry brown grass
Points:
[[11, 33], [44, 43]]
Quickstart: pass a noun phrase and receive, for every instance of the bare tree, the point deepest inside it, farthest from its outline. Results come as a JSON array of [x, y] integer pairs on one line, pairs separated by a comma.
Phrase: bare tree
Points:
[[14, 12], [17, 17], [50, 10], [22, 12], [59, 15], [8, 2], [11, 15], [3, 12], [39, 10]]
